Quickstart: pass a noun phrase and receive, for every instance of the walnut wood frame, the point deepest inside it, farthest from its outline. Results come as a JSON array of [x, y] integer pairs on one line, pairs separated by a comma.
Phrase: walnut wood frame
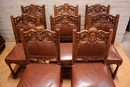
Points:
[[94, 10], [39, 11]]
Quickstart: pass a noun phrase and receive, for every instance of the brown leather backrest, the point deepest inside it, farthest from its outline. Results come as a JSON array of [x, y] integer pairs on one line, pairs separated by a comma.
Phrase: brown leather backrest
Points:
[[66, 9], [94, 10], [104, 22], [35, 10], [41, 44], [23, 22], [91, 44], [66, 24]]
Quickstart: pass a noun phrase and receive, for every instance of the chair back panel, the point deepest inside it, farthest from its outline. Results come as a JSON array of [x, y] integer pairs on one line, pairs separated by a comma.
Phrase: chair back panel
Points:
[[66, 24], [40, 49], [35, 10], [104, 22], [65, 9], [23, 22], [90, 49], [94, 10], [41, 44], [91, 44]]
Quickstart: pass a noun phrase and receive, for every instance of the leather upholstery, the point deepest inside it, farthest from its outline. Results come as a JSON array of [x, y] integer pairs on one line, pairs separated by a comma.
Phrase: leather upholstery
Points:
[[66, 53], [92, 74], [43, 45], [113, 56], [49, 76], [16, 54]]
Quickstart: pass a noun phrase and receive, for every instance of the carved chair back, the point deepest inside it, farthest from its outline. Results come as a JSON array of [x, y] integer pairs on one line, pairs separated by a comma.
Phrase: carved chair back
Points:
[[91, 44], [94, 10], [104, 22], [23, 22], [66, 9], [66, 24], [35, 10], [41, 44]]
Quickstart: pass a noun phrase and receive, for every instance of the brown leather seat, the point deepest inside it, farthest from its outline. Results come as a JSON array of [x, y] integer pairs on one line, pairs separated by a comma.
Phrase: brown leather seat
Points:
[[91, 75], [86, 45], [41, 75], [16, 56], [43, 45]]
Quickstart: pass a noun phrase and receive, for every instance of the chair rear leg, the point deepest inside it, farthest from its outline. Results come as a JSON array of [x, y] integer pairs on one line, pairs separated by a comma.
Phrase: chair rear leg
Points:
[[115, 71], [12, 71]]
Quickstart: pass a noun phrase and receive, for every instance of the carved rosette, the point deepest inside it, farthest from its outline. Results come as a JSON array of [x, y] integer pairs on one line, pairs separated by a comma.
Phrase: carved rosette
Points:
[[40, 35], [97, 8]]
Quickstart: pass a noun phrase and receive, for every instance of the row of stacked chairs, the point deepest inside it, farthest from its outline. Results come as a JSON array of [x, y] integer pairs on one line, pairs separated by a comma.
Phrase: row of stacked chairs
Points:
[[66, 19]]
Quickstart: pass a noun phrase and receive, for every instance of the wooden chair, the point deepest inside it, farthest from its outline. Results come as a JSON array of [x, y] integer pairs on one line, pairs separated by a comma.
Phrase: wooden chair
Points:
[[66, 24], [17, 56], [105, 22], [66, 9], [94, 10], [35, 10], [23, 22], [41, 44], [90, 45]]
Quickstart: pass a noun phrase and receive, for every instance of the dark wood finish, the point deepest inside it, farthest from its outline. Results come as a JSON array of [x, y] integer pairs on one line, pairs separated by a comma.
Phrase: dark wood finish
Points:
[[66, 24], [66, 9], [23, 22], [35, 10], [41, 44], [94, 10], [89, 45], [2, 42], [105, 22]]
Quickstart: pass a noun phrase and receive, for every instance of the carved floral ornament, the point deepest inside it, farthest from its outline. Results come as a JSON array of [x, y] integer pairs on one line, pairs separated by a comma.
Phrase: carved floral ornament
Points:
[[25, 19], [40, 35], [32, 9], [66, 9], [97, 8], [92, 37], [103, 20], [65, 19]]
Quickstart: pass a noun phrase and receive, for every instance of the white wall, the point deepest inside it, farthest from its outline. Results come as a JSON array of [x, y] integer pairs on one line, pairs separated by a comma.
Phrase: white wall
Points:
[[12, 7]]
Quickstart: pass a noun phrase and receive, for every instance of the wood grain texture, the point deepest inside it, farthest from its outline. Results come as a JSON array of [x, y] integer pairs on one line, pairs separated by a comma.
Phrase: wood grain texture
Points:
[[122, 79]]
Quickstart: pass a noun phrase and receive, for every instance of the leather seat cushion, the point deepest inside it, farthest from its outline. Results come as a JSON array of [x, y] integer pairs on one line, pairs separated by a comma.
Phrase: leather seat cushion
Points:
[[16, 54], [113, 56], [91, 75], [41, 75], [65, 53]]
